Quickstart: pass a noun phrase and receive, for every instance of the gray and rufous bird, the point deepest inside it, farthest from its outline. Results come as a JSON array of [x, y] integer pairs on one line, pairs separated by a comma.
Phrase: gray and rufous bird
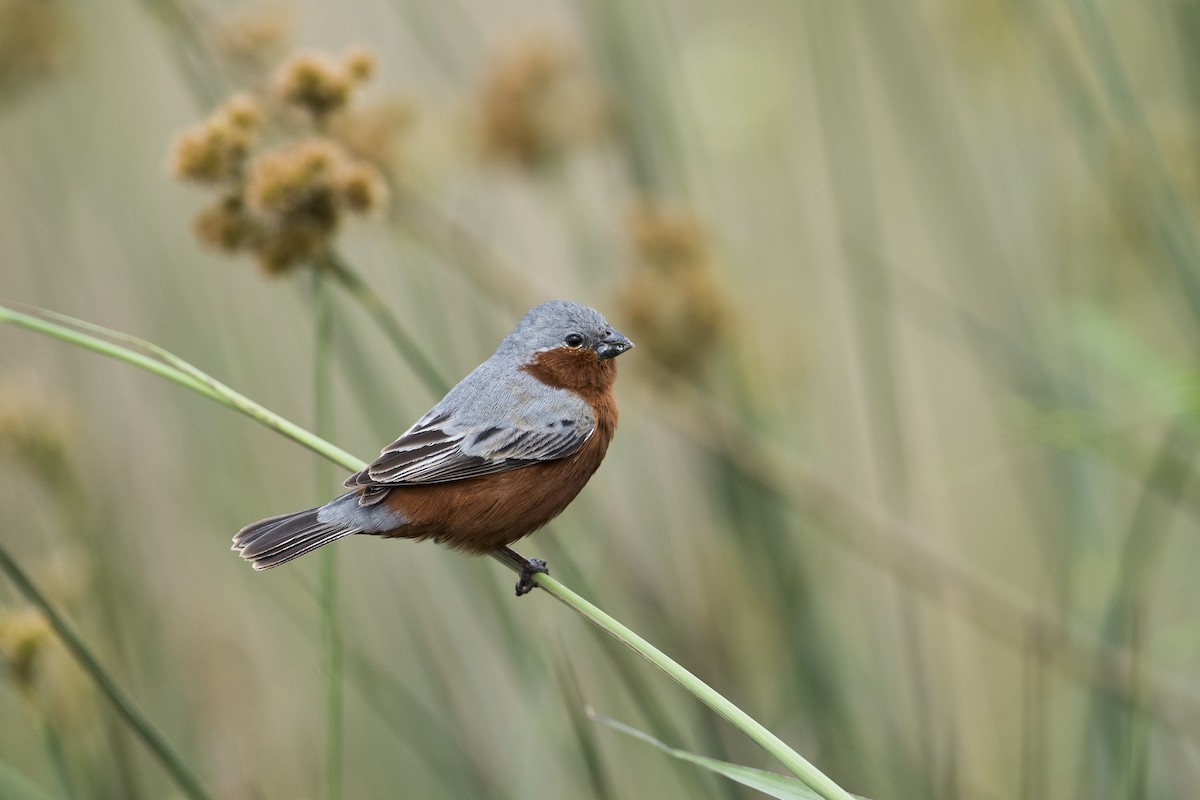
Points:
[[502, 454]]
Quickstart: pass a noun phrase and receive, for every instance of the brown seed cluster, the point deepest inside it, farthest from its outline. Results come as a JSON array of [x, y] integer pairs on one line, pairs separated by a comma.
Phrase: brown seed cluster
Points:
[[32, 432], [320, 84], [252, 37], [283, 203], [374, 131], [672, 300], [535, 102], [33, 40], [215, 151], [23, 636]]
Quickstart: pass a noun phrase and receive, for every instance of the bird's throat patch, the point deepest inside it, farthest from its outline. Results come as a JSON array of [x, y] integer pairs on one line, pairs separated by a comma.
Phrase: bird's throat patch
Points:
[[577, 369]]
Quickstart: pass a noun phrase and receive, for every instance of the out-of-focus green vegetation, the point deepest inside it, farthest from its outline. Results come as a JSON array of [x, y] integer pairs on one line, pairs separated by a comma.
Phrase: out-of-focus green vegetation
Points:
[[906, 460]]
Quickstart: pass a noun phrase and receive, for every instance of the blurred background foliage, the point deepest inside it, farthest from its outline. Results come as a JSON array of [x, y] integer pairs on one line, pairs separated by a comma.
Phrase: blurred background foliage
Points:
[[907, 458]]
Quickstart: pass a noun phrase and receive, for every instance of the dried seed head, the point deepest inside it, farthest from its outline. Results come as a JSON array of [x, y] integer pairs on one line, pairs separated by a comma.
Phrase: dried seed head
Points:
[[373, 131], [673, 302], [313, 82], [215, 150], [668, 241], [677, 321], [289, 245], [295, 179], [34, 36], [360, 63], [362, 187], [226, 225], [534, 103], [243, 112], [23, 637], [255, 36], [208, 154], [32, 432], [285, 204]]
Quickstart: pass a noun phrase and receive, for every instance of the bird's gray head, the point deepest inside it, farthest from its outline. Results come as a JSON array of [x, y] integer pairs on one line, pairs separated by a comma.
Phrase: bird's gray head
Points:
[[561, 323]]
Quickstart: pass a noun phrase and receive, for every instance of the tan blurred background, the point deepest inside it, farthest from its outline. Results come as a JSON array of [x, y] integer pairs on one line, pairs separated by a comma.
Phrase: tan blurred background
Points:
[[906, 465]]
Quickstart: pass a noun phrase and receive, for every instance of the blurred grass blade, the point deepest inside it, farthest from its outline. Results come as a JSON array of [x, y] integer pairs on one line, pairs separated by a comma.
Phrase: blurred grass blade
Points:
[[15, 786], [185, 374], [780, 786], [373, 304], [331, 635], [173, 764]]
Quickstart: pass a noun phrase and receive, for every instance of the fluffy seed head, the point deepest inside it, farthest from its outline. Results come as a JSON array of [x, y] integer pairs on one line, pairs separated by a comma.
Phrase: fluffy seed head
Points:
[[211, 152], [374, 131], [255, 36], [289, 245], [296, 179], [534, 102], [225, 225], [672, 300], [215, 150], [313, 82], [362, 187], [243, 112], [23, 636], [31, 431], [360, 63]]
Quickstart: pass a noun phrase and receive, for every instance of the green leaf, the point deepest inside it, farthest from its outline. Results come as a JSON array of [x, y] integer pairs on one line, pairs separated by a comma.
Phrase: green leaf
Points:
[[768, 783]]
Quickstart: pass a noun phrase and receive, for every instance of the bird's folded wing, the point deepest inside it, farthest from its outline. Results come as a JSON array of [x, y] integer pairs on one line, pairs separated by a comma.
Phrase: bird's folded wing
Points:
[[437, 450]]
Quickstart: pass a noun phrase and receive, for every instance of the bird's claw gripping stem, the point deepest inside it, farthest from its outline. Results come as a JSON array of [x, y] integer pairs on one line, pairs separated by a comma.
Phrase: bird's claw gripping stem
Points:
[[527, 567], [533, 566]]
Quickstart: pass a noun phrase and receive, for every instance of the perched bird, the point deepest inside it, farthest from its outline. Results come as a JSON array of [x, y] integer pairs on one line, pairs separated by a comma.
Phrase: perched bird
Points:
[[500, 456]]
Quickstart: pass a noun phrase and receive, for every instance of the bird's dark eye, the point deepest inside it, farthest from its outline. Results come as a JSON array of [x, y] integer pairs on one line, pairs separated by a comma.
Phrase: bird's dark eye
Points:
[[573, 340]]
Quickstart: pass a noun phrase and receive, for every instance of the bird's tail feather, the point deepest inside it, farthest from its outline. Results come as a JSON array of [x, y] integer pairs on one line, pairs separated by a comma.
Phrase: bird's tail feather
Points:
[[277, 540]]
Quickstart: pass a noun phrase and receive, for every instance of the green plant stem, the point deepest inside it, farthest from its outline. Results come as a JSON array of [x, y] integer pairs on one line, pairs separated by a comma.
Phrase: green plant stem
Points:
[[185, 374], [124, 707], [795, 763], [177, 370], [373, 304], [330, 629], [79, 339]]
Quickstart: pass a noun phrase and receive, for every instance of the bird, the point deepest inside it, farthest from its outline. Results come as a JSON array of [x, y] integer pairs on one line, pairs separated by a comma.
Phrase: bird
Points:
[[503, 453]]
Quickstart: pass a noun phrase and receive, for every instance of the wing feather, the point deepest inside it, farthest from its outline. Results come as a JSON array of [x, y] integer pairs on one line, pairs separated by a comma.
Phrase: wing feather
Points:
[[435, 450]]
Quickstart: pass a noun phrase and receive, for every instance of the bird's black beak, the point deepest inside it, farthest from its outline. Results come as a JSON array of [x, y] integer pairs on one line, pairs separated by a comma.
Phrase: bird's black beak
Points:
[[613, 344]]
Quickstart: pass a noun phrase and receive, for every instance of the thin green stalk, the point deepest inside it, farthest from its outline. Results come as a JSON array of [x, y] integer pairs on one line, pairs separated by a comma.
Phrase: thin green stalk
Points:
[[330, 629], [52, 742], [370, 300], [846, 141], [124, 707], [177, 370], [795, 763], [79, 339], [185, 374], [1170, 219]]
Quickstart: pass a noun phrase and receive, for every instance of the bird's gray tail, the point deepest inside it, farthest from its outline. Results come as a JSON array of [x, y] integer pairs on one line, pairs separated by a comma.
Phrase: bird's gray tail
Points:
[[278, 540]]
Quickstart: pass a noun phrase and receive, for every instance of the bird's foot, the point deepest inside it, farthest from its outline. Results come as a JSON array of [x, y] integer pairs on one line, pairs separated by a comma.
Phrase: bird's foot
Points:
[[533, 566]]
